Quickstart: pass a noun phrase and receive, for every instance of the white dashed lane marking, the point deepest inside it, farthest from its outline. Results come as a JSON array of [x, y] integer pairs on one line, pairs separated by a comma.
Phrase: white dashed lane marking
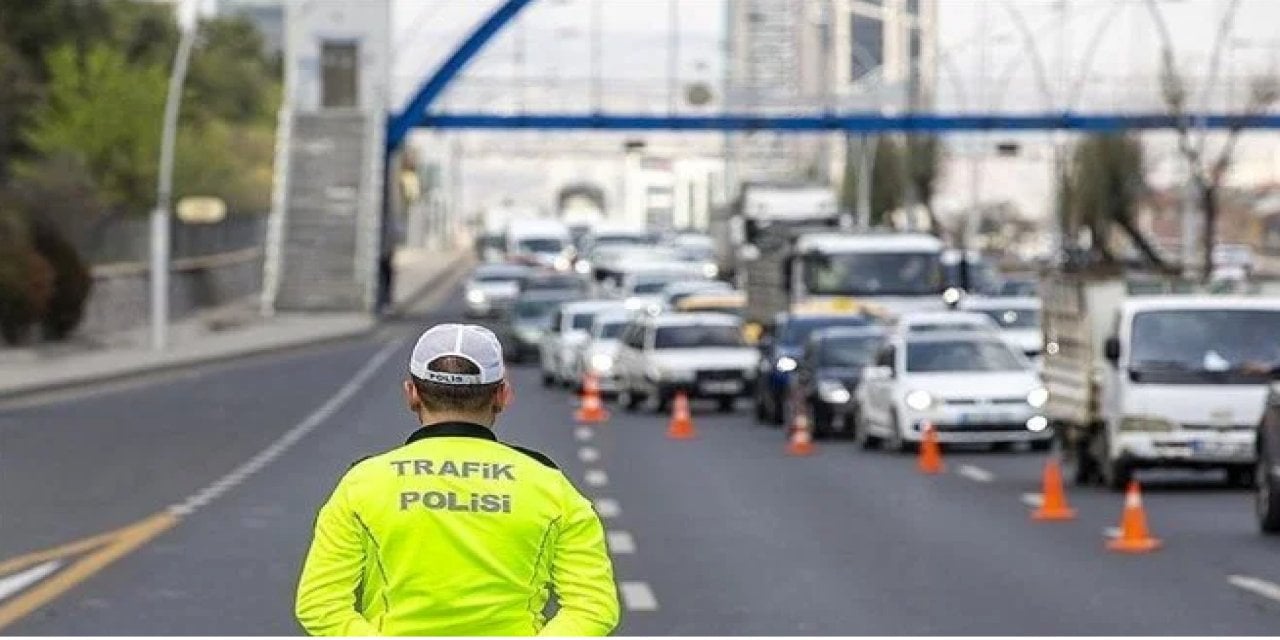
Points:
[[588, 454], [1256, 586], [608, 508], [976, 474], [637, 596], [621, 542], [596, 477], [12, 584], [1032, 499], [583, 434]]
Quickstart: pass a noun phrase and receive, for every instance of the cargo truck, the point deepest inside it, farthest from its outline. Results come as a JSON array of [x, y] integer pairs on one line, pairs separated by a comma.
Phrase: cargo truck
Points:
[[1150, 381]]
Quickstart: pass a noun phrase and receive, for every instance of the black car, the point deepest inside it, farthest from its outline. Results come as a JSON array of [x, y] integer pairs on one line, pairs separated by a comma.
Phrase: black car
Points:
[[529, 317], [1268, 473], [780, 353], [828, 373]]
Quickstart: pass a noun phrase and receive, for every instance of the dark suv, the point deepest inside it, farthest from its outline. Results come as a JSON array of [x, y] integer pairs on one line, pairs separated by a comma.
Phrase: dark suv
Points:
[[780, 353], [826, 381]]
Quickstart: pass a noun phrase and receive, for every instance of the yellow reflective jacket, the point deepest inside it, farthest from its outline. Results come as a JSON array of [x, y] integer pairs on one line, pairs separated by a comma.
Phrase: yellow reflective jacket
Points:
[[456, 533]]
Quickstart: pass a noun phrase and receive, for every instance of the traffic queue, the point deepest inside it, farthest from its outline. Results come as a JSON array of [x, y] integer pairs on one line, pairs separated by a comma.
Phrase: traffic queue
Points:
[[885, 351]]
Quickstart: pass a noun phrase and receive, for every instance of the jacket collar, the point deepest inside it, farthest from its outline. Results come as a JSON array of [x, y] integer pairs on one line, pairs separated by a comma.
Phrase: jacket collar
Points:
[[452, 430]]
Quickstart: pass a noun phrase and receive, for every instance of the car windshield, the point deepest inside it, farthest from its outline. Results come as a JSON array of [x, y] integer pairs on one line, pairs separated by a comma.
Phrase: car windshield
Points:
[[797, 330], [619, 240], [694, 253], [499, 275], [527, 309], [938, 356], [582, 321], [697, 335], [540, 245], [648, 288], [553, 282], [1187, 346], [1022, 288], [935, 326], [1013, 317], [882, 274], [982, 276], [848, 351], [611, 330]]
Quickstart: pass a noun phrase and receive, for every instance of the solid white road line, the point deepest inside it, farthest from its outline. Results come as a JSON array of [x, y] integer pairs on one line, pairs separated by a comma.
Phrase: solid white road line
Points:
[[1256, 586], [608, 508], [1111, 532], [588, 454], [583, 434], [12, 584], [621, 542], [1032, 499], [597, 477], [637, 596], [976, 474], [290, 437]]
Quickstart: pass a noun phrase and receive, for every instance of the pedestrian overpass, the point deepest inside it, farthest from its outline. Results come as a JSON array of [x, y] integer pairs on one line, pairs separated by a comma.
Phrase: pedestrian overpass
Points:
[[329, 221]]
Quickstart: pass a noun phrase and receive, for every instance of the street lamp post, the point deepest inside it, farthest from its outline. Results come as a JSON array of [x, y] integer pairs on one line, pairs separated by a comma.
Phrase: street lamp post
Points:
[[162, 214]]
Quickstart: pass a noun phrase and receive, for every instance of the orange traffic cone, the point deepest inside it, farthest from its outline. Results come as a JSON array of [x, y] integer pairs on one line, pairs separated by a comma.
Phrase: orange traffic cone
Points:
[[930, 459], [800, 440], [681, 425], [1053, 505], [592, 410], [1134, 537]]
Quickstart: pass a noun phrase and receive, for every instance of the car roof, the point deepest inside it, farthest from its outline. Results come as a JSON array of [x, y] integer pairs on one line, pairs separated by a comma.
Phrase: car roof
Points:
[[1008, 302], [587, 306], [941, 317], [868, 242], [953, 336], [699, 317], [1172, 302]]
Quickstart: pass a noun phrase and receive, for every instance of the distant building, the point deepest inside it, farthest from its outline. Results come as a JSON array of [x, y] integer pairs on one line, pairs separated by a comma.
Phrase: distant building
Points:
[[267, 15]]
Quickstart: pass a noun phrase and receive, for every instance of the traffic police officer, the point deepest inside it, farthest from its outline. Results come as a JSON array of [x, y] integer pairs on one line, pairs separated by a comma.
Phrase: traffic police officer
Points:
[[457, 533]]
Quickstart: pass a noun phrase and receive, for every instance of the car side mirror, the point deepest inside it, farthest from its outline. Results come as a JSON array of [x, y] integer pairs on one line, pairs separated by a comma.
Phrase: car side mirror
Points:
[[1111, 350]]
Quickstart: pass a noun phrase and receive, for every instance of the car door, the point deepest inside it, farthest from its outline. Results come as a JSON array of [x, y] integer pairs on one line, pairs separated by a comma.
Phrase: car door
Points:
[[627, 354], [547, 346]]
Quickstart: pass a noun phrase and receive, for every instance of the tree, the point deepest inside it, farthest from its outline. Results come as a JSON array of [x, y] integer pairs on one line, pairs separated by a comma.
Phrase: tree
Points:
[[1207, 172], [21, 93], [1102, 190], [106, 112], [887, 180], [924, 169], [231, 77]]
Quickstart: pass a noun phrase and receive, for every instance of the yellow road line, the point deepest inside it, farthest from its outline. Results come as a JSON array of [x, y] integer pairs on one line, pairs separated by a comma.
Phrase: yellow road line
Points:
[[114, 545]]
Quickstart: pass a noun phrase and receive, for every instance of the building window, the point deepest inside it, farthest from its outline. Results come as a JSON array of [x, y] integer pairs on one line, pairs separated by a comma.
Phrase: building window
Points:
[[913, 7], [339, 74], [868, 45]]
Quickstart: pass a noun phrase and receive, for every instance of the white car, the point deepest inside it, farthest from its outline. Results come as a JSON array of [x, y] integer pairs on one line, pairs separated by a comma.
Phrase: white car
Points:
[[569, 329], [642, 284], [1018, 320], [971, 386], [919, 322], [701, 354], [492, 288], [598, 354]]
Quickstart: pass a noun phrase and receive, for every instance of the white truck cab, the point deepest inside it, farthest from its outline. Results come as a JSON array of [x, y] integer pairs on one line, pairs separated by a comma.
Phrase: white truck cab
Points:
[[895, 272], [1157, 381]]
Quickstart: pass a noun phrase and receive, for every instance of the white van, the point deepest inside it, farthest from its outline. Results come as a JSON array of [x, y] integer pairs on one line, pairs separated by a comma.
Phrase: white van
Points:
[[543, 243]]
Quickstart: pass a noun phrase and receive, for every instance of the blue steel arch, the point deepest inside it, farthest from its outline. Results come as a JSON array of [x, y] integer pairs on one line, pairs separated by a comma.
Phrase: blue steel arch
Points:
[[417, 112]]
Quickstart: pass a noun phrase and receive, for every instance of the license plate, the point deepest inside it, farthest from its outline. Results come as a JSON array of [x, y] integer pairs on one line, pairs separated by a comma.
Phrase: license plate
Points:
[[1215, 449], [983, 418], [721, 386]]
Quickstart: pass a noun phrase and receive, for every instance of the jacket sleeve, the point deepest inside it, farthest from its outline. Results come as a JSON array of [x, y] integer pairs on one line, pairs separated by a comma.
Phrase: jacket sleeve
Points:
[[331, 574], [582, 574]]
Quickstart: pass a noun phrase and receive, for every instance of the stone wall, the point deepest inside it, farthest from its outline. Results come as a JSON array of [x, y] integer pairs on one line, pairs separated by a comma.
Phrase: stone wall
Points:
[[121, 296]]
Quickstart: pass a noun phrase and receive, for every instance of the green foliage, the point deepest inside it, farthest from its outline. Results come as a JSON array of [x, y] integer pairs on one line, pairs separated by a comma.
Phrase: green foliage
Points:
[[19, 95], [924, 169], [105, 111], [231, 162], [230, 77], [1101, 191], [887, 180]]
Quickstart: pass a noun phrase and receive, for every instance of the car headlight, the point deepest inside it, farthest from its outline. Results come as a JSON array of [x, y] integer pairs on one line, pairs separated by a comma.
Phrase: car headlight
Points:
[[919, 400], [1037, 398], [582, 267], [1145, 423], [785, 364], [602, 362], [1037, 423], [475, 296], [561, 263], [833, 391], [710, 270]]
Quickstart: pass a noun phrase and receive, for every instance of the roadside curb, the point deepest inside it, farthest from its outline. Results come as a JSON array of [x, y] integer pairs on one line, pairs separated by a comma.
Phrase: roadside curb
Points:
[[161, 364]]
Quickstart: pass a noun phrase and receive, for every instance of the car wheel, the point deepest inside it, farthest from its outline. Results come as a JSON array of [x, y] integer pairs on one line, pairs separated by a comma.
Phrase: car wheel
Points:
[[897, 443], [627, 398], [1114, 473], [727, 405], [757, 402], [822, 418], [657, 401], [1243, 477], [861, 435], [1267, 497], [548, 379], [776, 415], [1041, 445]]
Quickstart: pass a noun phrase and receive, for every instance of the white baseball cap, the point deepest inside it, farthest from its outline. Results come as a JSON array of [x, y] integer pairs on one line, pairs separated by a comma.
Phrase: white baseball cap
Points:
[[470, 342]]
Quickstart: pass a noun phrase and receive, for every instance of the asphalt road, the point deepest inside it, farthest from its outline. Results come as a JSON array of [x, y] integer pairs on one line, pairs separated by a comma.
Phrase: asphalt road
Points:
[[723, 534]]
